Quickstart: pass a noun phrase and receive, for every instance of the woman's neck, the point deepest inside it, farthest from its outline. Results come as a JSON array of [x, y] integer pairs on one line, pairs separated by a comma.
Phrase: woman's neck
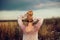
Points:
[[30, 24]]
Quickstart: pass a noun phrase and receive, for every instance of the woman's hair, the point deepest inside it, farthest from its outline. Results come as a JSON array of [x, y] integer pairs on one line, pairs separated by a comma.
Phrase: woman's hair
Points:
[[25, 22], [29, 11]]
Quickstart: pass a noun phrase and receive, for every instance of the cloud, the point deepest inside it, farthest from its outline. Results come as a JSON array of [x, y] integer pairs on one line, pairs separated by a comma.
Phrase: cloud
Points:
[[27, 4], [48, 4]]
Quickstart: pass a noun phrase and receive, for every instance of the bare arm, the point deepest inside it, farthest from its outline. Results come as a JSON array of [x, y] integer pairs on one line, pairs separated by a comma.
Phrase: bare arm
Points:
[[38, 25], [25, 29], [21, 23]]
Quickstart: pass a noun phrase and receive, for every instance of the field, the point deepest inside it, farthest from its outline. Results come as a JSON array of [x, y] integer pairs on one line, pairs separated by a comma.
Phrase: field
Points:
[[50, 30]]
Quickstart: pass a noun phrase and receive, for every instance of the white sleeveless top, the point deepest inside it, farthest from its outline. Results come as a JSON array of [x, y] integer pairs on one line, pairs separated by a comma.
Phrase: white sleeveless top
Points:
[[33, 36]]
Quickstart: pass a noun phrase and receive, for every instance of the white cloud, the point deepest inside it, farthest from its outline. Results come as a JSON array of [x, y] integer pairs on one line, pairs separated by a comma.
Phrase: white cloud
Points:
[[48, 4]]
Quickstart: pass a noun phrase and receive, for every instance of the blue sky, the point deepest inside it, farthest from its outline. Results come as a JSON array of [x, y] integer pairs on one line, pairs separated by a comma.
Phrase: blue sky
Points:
[[28, 4]]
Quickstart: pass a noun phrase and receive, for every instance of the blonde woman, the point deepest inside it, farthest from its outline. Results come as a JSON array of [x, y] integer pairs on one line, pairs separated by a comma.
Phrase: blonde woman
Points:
[[30, 25]]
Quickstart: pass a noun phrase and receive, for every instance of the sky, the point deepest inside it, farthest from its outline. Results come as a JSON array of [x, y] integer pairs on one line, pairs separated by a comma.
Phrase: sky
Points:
[[11, 9], [23, 5]]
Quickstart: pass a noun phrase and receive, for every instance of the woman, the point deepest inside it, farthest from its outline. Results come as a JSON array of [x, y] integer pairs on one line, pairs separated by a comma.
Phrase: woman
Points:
[[30, 26]]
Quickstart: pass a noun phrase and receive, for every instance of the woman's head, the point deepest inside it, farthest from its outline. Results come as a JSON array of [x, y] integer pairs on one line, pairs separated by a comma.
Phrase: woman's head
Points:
[[30, 15]]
